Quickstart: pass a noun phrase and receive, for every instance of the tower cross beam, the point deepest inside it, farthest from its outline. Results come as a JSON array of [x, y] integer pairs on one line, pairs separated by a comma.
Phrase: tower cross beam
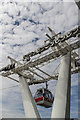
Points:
[[46, 58]]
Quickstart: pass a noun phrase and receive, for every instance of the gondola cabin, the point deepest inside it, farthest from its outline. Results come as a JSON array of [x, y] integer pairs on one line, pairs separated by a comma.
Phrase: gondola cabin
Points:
[[44, 97]]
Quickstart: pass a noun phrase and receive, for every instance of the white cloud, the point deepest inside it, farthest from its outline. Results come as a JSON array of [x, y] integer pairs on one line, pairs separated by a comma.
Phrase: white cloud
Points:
[[21, 24]]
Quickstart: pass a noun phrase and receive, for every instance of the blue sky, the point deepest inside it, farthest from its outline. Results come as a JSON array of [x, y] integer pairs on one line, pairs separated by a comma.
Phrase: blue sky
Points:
[[22, 29]]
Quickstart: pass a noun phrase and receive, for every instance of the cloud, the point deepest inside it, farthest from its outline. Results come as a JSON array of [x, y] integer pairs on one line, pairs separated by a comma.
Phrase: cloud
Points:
[[23, 26]]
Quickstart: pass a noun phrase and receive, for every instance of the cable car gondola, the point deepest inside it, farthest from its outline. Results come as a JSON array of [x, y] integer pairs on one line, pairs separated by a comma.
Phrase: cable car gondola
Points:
[[44, 97]]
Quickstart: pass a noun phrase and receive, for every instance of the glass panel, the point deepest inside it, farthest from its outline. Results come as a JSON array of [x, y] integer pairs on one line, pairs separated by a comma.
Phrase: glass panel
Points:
[[38, 94]]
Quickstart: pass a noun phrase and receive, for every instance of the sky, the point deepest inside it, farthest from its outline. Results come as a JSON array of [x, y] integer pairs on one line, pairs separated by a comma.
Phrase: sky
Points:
[[22, 29]]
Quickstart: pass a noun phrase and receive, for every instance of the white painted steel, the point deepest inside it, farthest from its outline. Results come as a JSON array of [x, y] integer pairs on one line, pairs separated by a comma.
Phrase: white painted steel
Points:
[[46, 58], [61, 106], [77, 3], [28, 101]]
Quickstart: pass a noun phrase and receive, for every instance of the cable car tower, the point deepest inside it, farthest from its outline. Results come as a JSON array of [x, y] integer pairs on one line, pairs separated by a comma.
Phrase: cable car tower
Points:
[[57, 45]]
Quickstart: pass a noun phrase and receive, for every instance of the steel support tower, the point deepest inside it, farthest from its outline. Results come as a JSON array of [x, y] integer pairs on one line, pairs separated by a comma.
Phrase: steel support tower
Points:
[[61, 107], [56, 46]]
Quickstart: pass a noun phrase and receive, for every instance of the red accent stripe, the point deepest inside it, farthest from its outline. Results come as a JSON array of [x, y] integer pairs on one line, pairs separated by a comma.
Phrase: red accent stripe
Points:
[[38, 99]]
